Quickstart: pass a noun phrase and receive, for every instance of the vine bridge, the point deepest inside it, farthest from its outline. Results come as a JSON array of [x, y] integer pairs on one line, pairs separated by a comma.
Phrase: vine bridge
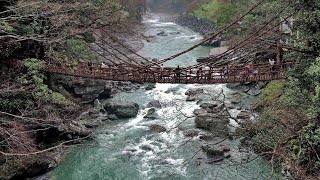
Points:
[[206, 72], [210, 75]]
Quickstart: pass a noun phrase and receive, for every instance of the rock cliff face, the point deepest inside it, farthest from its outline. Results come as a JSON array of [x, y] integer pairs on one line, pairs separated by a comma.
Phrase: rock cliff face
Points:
[[201, 26], [88, 90]]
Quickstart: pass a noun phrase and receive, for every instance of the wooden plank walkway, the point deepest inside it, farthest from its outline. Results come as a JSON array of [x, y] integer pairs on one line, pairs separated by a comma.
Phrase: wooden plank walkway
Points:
[[206, 75]]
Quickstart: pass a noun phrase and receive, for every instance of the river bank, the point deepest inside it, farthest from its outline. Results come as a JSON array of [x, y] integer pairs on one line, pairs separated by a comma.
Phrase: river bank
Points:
[[71, 125]]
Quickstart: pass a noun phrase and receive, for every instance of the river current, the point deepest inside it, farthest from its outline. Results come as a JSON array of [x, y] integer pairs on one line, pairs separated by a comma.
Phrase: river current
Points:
[[126, 150]]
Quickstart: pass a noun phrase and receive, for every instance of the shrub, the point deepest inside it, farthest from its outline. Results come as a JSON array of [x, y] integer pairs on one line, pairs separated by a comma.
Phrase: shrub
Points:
[[41, 91]]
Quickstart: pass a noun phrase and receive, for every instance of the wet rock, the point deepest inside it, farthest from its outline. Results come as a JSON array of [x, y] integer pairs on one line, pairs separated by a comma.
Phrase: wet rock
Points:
[[122, 109], [131, 150], [174, 33], [154, 104], [219, 109], [233, 86], [214, 42], [127, 88], [113, 117], [86, 89], [193, 92], [202, 59], [127, 111], [256, 88], [230, 105], [97, 108], [227, 155], [191, 132], [150, 87], [151, 114], [92, 113], [217, 159], [96, 103], [252, 92], [207, 137], [146, 148], [236, 99], [224, 147], [208, 110], [208, 105], [173, 90], [199, 101], [244, 115], [215, 123], [89, 93], [191, 98], [162, 33], [200, 112], [157, 128], [214, 152], [92, 123], [77, 129], [106, 93]]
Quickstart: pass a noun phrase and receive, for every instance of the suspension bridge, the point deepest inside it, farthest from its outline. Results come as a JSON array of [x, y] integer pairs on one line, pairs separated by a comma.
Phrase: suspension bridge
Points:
[[206, 72]]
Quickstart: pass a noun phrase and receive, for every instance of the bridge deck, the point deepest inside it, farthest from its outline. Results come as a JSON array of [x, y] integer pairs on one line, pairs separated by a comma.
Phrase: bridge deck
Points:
[[210, 75]]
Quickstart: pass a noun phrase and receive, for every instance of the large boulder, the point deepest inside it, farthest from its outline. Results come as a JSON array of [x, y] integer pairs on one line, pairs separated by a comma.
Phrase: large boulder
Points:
[[216, 153], [122, 109], [157, 128], [214, 42], [150, 87], [154, 104], [193, 92], [191, 98], [191, 132], [217, 124], [86, 89], [200, 112], [256, 88], [162, 33], [151, 114], [254, 92], [174, 33], [209, 105]]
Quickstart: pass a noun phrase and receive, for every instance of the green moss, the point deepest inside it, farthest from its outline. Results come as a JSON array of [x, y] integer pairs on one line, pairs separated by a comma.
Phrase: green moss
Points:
[[270, 94]]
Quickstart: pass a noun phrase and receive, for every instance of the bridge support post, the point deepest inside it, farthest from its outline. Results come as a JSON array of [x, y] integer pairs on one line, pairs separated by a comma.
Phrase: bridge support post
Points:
[[279, 53]]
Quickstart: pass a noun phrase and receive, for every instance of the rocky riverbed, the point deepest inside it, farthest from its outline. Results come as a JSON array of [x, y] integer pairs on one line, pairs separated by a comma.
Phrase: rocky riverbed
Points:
[[155, 132]]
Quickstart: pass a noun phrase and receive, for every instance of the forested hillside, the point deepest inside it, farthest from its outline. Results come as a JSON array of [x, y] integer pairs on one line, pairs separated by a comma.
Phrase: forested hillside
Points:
[[174, 6], [35, 118], [288, 130]]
